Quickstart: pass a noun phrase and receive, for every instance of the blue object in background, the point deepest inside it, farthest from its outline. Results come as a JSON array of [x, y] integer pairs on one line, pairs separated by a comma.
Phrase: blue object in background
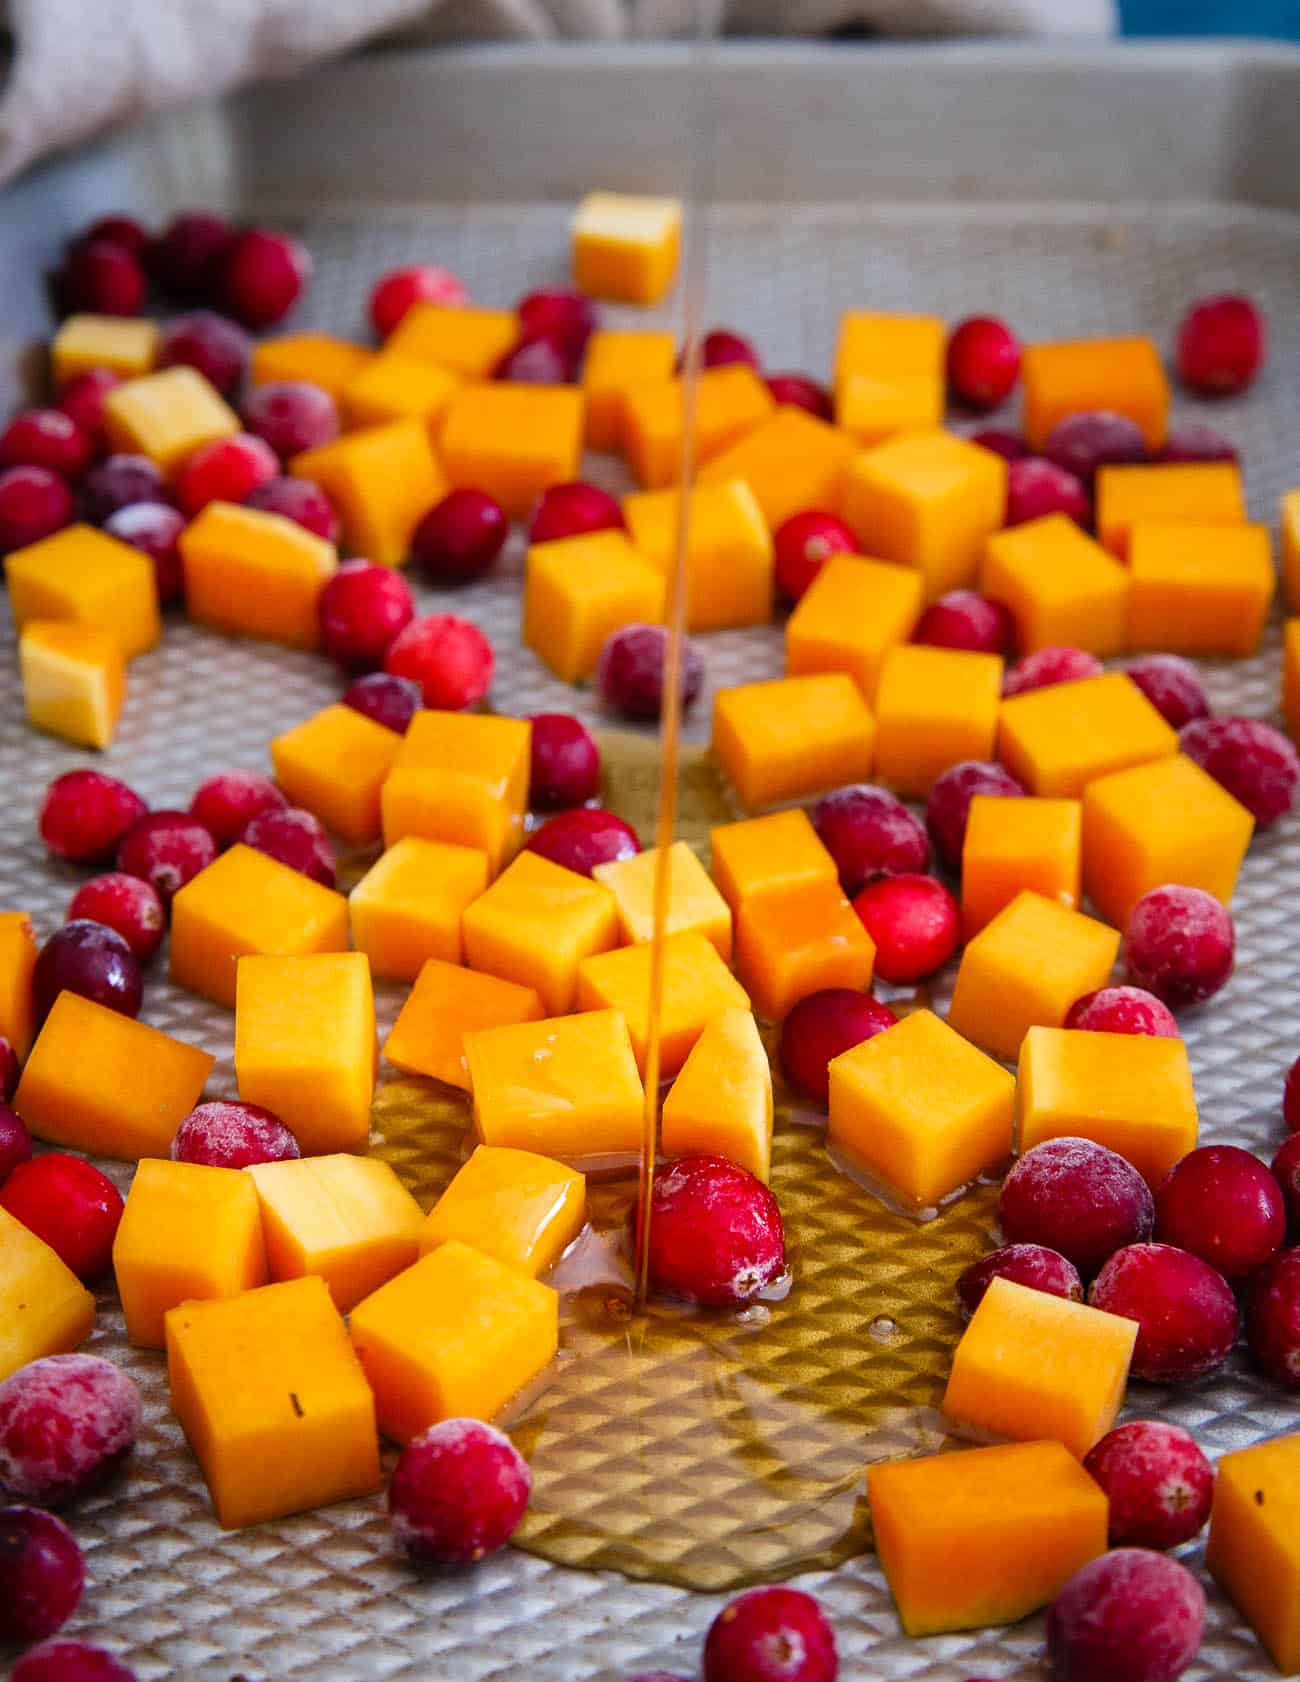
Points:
[[1211, 17]]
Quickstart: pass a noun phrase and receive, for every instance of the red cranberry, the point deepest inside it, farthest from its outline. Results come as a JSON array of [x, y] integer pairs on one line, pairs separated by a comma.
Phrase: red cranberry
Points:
[[771, 1635], [1221, 345], [15, 1140], [1095, 438], [1273, 1319], [126, 904], [804, 543], [83, 400], [1223, 1205], [263, 276], [291, 416], [185, 260], [92, 960], [118, 482], [226, 804], [66, 1424], [362, 609], [1076, 1197], [154, 528], [84, 815], [1185, 1310], [125, 231], [46, 438], [1031, 1265], [1158, 1482], [66, 1201], [41, 1574], [967, 620], [388, 700], [458, 1492], [214, 345], [570, 510], [869, 832], [167, 849], [100, 278], [1009, 445], [69, 1661], [715, 1232], [1291, 1097], [1255, 763], [1122, 1010], [583, 838], [720, 347], [295, 838], [460, 537], [799, 391], [9, 1070], [225, 470], [538, 361], [565, 762], [1197, 442], [34, 503], [420, 283], [1048, 666], [1129, 1616], [915, 923], [983, 361], [567, 318], [447, 656], [231, 1134], [948, 808], [1173, 687], [820, 1027], [1036, 487], [630, 675], [1179, 944], [300, 501], [1286, 1171]]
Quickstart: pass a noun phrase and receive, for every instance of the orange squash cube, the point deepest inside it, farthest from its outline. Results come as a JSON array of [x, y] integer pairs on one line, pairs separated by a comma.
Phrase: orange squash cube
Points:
[[1058, 740], [693, 901], [463, 778], [1060, 587], [44, 1307], [934, 708], [124, 345], [721, 1101], [872, 407], [697, 986], [468, 342], [790, 945], [771, 855], [1018, 844], [84, 577], [850, 617], [626, 246], [521, 1208], [730, 402], [1199, 589], [874, 342], [1291, 677], [513, 441], [728, 556], [407, 907], [167, 416], [616, 360], [578, 591], [445, 1004], [1253, 1552], [1289, 516], [74, 681], [326, 361], [254, 574], [17, 961], [889, 374], [790, 461], [1067, 377], [382, 480], [791, 737], [335, 764], [1202, 492], [394, 388]]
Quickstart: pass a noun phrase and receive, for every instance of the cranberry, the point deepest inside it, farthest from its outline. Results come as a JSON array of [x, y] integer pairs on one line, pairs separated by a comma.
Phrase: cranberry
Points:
[[41, 1574], [630, 675], [185, 260], [263, 276], [167, 849], [84, 815], [100, 278], [1129, 1616], [291, 416], [9, 1070], [820, 1027], [565, 762], [225, 470], [1009, 445], [568, 318], [799, 391], [1273, 1319], [118, 482], [715, 1232], [300, 501], [1255, 763], [1179, 944], [1185, 1310], [67, 1422], [15, 1140], [869, 832], [1223, 1205], [69, 1661], [92, 960], [295, 838], [1048, 666], [34, 503], [226, 804], [66, 1201], [967, 620], [46, 438], [1032, 1265], [458, 1492], [1221, 345], [983, 361], [447, 656], [214, 345], [771, 1635], [1122, 1010], [1173, 687], [583, 838], [804, 543], [1286, 1171], [362, 609], [1197, 442], [420, 283], [231, 1134], [1036, 487], [948, 808], [915, 923], [125, 231], [83, 400], [1095, 438], [126, 904], [1291, 1097], [572, 509], [720, 347], [154, 528], [538, 361], [460, 537], [1157, 1480], [1076, 1197], [388, 700]]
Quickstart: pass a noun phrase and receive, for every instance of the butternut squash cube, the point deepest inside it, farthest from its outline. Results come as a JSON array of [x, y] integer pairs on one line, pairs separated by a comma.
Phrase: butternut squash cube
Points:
[[578, 591], [123, 345], [394, 388], [1012, 845], [730, 402], [1291, 677], [17, 961], [1202, 492], [44, 1307], [298, 1430], [791, 737], [790, 945], [790, 461], [463, 778], [382, 480], [889, 374], [985, 1536], [445, 1004], [1199, 589], [1058, 740], [920, 1109], [74, 681], [1060, 587], [321, 358], [693, 901], [107, 1085], [536, 924], [521, 1208], [626, 246], [934, 708], [721, 1101], [335, 764], [188, 1233], [1067, 377], [468, 342], [871, 341], [513, 441], [1289, 517], [728, 551], [873, 407], [1253, 1551], [697, 986], [305, 1045], [253, 574], [84, 577], [851, 616], [770, 855], [618, 359], [407, 907], [167, 416]]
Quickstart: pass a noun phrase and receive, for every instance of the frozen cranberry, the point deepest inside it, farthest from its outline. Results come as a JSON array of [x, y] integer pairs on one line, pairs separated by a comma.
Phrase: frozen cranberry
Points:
[[1076, 1197], [820, 1027], [1173, 687], [1179, 944], [231, 1134], [771, 1635], [1047, 666], [1129, 1616], [100, 278], [720, 347], [15, 1140], [799, 391], [460, 537], [458, 1492], [1031, 1265], [1291, 1097], [125, 231], [869, 832], [226, 804], [1221, 345], [1286, 1171], [67, 1201], [84, 815], [1223, 1205], [1095, 438], [167, 849], [538, 361], [715, 1232], [66, 1424], [216, 346], [583, 838], [69, 1661], [291, 416], [1185, 1310], [966, 620], [1036, 488], [92, 960], [41, 1574], [447, 656], [9, 1070], [119, 481], [362, 609], [569, 510], [565, 762], [948, 808], [915, 923], [185, 260], [83, 400], [1196, 442], [126, 904], [1009, 445], [1255, 763], [300, 501], [1158, 1482], [803, 545], [34, 503], [388, 700], [46, 438], [295, 838], [419, 283], [263, 276], [225, 470], [568, 318], [1122, 1010], [1273, 1319], [630, 675], [154, 528], [983, 362]]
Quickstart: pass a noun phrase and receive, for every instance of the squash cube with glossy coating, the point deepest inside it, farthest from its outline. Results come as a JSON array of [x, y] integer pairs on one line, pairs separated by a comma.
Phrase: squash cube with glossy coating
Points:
[[934, 708], [382, 480], [721, 1101], [44, 1307], [305, 1045], [1202, 492], [125, 346], [102, 1083], [728, 551], [770, 855], [245, 902], [522, 1208], [393, 388], [1291, 677], [85, 577], [1070, 376], [616, 360], [335, 764], [407, 907], [791, 737], [320, 358], [1058, 740], [463, 778], [298, 1429], [188, 1233], [578, 591], [564, 1087], [468, 342], [74, 681], [921, 1110], [1289, 518], [730, 402], [626, 246], [985, 1536], [693, 901], [1253, 1551], [17, 961], [889, 374], [790, 461], [790, 945], [1018, 844], [1059, 585], [255, 574], [446, 1003], [697, 986], [536, 924], [1199, 589], [167, 416], [850, 618], [512, 440], [1025, 969]]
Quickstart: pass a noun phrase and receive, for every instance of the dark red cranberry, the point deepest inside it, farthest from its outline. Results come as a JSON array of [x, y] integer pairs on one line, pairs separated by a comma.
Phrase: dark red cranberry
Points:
[[84, 814], [1185, 1310], [126, 904], [948, 808], [449, 657], [226, 804], [1122, 1010], [92, 960], [966, 620], [567, 318], [1173, 687], [820, 1027], [100, 278], [1286, 1171], [231, 1134], [914, 922], [119, 481], [362, 608], [69, 1661], [630, 675], [1129, 1616], [46, 438], [41, 1574], [1011, 446], [167, 849], [1255, 763], [154, 528], [458, 1492], [538, 361], [1221, 345], [71, 1206], [869, 832], [804, 543], [216, 346], [388, 700], [1273, 1319], [583, 838], [126, 231], [1095, 438], [572, 509], [300, 501], [799, 391], [1179, 944], [1076, 1197], [185, 260], [565, 762], [9, 1071], [460, 537], [1157, 1480], [83, 400], [1031, 1265], [225, 470], [1196, 442], [1291, 1097], [66, 1424], [715, 1232], [15, 1140], [1036, 487], [34, 503], [420, 283], [1046, 666], [1225, 1206], [771, 1635], [291, 416], [262, 277], [983, 362], [720, 348], [295, 838]]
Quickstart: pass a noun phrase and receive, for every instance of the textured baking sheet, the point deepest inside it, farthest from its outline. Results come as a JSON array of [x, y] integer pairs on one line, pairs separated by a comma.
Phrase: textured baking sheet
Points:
[[321, 1596]]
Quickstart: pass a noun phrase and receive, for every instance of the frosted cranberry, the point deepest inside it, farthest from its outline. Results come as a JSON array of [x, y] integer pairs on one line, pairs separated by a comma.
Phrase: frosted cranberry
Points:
[[295, 838], [185, 260], [1197, 442], [1095, 438], [948, 808], [869, 832], [771, 1635], [67, 1201], [1122, 1010], [569, 510], [1286, 1171], [300, 501], [1036, 487], [231, 1134], [362, 608], [214, 345], [69, 1661], [34, 503], [447, 656], [125, 231], [1179, 944], [41, 1574], [83, 400], [46, 438], [799, 391], [720, 348], [630, 674], [1048, 666], [66, 1424], [568, 318], [1076, 1197], [263, 276], [419, 283], [9, 1069], [15, 1140], [458, 1492], [119, 481], [1009, 445], [388, 700], [1223, 1205], [538, 361], [804, 543], [290, 416], [1255, 763], [1273, 1319], [565, 767], [1129, 1616], [983, 361], [1185, 1310], [167, 849], [225, 470], [966, 620], [583, 838], [1032, 1265], [1173, 687], [820, 1027], [126, 904], [92, 960], [84, 815], [460, 537], [715, 1232], [1158, 1482], [100, 278], [226, 804], [1221, 345], [915, 923], [154, 528], [1291, 1097]]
